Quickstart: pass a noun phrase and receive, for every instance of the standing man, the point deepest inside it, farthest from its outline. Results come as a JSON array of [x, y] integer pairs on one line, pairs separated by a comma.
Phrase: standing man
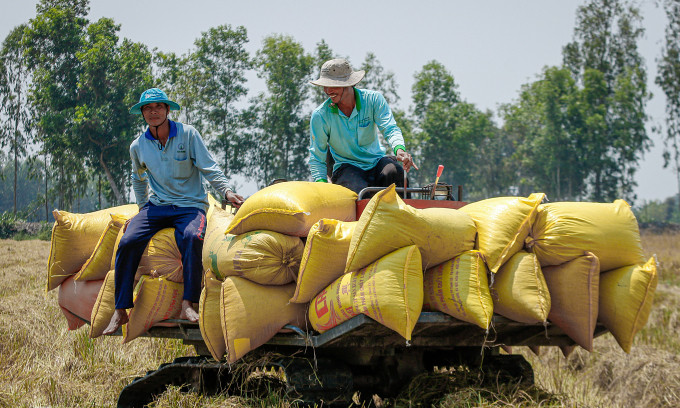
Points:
[[347, 124], [169, 161]]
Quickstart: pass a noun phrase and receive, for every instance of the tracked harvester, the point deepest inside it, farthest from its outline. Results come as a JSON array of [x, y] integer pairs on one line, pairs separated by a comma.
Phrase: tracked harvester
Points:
[[359, 354]]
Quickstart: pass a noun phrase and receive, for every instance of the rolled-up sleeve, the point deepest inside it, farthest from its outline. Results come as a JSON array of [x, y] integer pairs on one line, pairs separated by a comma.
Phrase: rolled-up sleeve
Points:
[[383, 118], [140, 182], [318, 146]]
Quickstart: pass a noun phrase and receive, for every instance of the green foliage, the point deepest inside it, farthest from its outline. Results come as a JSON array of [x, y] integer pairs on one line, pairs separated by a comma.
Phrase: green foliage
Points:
[[668, 78], [541, 126], [280, 123], [112, 78], [378, 79], [605, 62], [220, 62], [15, 125], [657, 211], [449, 132]]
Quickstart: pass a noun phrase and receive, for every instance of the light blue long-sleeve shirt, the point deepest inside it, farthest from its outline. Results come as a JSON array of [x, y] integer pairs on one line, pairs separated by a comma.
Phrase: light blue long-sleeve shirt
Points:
[[173, 173], [352, 139]]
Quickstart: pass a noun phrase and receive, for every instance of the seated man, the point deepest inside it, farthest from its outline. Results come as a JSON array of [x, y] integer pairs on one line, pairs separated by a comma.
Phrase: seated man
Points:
[[347, 125], [169, 162]]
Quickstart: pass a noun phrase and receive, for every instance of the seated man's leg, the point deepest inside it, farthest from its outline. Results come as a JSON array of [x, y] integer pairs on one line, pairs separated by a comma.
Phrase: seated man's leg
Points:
[[189, 233], [351, 177], [387, 172], [137, 234]]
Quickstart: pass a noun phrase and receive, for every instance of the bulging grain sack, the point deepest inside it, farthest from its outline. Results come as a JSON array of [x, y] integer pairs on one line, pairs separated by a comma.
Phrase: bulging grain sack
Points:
[[503, 224], [626, 296], [324, 257], [251, 314], [156, 299], [519, 290], [566, 230], [264, 257], [215, 239], [387, 224], [103, 307], [76, 300], [460, 288], [162, 257], [390, 291], [292, 208], [74, 237], [574, 293], [99, 263], [209, 319]]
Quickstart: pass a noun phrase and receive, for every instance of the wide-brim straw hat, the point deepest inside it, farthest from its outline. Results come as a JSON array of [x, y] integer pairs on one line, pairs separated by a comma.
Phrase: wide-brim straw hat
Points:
[[151, 96], [338, 73]]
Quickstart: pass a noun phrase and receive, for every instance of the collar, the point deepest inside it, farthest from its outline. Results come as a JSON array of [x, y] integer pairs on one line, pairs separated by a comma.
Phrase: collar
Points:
[[357, 101], [173, 131]]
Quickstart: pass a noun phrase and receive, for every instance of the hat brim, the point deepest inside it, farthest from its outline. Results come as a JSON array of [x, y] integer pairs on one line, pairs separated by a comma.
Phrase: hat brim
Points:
[[137, 108], [352, 80]]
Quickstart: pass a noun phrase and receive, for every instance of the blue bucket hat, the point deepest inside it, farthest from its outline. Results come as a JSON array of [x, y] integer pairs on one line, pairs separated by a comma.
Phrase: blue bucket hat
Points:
[[153, 95]]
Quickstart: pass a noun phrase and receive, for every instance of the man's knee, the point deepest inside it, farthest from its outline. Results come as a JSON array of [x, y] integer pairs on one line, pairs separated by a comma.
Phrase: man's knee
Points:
[[390, 172]]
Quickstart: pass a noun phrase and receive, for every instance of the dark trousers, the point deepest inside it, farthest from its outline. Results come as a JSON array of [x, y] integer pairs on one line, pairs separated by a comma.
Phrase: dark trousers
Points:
[[385, 173], [189, 224]]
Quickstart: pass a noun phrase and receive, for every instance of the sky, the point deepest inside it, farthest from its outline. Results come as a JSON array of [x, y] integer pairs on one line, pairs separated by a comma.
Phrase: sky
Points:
[[491, 47]]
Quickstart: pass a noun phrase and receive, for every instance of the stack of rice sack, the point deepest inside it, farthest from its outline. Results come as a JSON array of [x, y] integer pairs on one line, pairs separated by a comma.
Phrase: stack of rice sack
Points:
[[81, 262], [375, 266], [570, 263], [81, 251], [595, 269], [252, 261]]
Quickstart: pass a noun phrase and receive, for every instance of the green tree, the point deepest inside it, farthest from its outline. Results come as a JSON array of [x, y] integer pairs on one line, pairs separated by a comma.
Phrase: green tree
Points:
[[112, 77], [668, 78], [448, 130], [281, 124], [52, 41], [178, 77], [604, 60], [378, 79], [540, 125], [221, 61], [15, 129]]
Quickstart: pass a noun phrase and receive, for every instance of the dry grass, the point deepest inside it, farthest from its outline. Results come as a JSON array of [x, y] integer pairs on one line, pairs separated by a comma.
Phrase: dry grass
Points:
[[43, 364]]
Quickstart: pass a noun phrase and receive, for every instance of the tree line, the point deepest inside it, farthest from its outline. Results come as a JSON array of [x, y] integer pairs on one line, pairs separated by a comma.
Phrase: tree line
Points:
[[577, 132]]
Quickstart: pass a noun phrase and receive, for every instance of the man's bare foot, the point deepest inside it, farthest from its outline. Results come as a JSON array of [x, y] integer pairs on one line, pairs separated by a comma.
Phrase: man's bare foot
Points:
[[188, 311], [118, 319]]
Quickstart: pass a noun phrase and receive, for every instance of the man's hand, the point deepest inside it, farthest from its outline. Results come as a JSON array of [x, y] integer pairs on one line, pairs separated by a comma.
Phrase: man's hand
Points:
[[406, 160], [235, 199]]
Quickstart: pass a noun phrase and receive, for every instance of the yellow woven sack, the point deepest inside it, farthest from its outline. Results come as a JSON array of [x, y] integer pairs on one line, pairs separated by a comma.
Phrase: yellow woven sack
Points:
[[503, 224], [292, 208], [162, 257], [626, 296], [390, 291], [460, 288], [264, 257], [251, 314], [209, 319], [574, 293], [324, 257], [387, 224], [565, 230], [519, 291], [74, 237], [99, 263], [104, 306], [156, 299]]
